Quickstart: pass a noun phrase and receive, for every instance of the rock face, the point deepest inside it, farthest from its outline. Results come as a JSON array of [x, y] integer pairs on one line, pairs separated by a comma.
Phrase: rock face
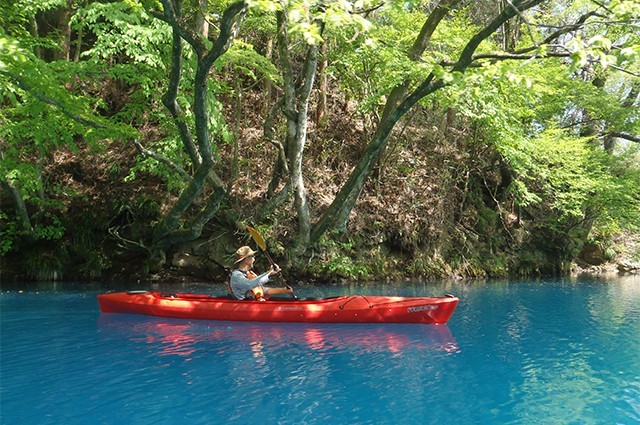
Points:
[[593, 259], [202, 259], [628, 267], [592, 255], [189, 263]]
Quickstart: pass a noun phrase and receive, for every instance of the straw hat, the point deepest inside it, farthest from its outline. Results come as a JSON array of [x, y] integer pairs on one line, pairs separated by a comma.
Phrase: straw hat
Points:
[[244, 252]]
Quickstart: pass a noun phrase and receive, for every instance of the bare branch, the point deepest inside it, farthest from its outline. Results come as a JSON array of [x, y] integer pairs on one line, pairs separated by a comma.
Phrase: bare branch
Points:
[[624, 135], [626, 71], [163, 159], [561, 31], [533, 40], [368, 10]]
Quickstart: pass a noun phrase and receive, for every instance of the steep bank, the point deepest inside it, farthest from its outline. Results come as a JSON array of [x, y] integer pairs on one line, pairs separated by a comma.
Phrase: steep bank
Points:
[[434, 209]]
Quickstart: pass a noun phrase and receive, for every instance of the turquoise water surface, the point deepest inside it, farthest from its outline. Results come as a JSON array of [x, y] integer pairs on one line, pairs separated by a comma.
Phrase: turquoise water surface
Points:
[[544, 352]]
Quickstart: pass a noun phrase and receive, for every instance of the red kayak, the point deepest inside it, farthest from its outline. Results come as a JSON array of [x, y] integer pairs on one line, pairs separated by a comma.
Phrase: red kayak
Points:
[[343, 309]]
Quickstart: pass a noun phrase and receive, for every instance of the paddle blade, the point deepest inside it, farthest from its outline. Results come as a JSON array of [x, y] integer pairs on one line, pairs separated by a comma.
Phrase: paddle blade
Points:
[[257, 237]]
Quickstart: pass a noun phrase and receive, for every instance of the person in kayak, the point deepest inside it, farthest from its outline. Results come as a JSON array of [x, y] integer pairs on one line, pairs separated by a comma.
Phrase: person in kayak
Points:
[[244, 283]]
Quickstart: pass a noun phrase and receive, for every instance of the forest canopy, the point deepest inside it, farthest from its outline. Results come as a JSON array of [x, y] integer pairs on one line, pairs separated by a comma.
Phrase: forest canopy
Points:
[[364, 139]]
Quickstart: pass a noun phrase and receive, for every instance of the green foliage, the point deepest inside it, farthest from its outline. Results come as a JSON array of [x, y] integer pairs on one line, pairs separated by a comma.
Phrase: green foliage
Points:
[[40, 117], [124, 33], [45, 263], [132, 219], [9, 234], [370, 64], [16, 19], [50, 232], [244, 60], [340, 260]]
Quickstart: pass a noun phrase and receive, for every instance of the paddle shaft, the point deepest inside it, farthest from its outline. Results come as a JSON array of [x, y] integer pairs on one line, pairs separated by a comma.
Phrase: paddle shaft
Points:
[[280, 278], [259, 240]]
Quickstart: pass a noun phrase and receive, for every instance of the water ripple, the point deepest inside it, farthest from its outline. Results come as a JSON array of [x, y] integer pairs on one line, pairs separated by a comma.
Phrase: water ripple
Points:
[[511, 354]]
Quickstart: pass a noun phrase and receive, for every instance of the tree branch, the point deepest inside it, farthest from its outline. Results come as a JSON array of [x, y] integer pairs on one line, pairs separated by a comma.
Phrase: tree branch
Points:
[[417, 49], [173, 16], [626, 71], [230, 25], [54, 102], [163, 159], [368, 10], [563, 30], [623, 135], [533, 40], [171, 103], [194, 230], [338, 212]]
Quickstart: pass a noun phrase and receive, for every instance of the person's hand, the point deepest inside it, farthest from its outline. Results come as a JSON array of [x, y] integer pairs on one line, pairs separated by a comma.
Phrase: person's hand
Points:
[[275, 269]]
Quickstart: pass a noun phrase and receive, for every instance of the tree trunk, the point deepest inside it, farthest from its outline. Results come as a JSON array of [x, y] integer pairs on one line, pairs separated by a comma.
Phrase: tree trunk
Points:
[[64, 26], [288, 79], [54, 22], [78, 49], [266, 83], [35, 32], [280, 168], [297, 149], [338, 212], [201, 24], [322, 86], [24, 222], [170, 100], [416, 51], [200, 150], [296, 110]]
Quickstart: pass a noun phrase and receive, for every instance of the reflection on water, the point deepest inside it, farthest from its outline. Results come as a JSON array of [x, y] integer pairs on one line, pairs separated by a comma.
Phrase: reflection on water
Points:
[[196, 338]]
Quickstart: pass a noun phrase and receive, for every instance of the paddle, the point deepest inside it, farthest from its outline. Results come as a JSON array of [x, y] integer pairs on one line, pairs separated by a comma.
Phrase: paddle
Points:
[[259, 240]]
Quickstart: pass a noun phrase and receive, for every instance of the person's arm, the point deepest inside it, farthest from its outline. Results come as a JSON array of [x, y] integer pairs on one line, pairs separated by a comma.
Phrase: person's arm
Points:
[[277, 291]]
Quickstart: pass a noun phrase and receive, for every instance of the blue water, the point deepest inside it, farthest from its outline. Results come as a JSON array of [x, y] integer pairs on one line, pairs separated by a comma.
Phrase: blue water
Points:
[[554, 352]]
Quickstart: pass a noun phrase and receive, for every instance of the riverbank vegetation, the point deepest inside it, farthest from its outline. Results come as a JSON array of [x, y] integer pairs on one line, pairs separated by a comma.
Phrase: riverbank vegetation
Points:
[[365, 140]]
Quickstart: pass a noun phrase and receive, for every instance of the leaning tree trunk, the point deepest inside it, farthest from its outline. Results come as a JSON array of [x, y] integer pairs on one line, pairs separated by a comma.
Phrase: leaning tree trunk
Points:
[[321, 109], [338, 212], [415, 53], [24, 221]]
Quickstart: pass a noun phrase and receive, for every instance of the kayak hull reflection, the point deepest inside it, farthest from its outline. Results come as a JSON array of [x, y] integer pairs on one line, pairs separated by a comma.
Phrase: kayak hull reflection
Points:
[[343, 309]]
